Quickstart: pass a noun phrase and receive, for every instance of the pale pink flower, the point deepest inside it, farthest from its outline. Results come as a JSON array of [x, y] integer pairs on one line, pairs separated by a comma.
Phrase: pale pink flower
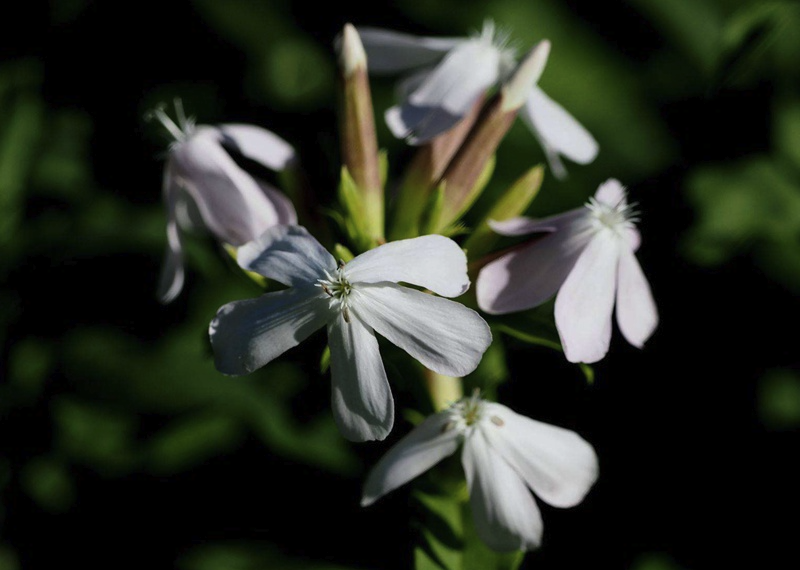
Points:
[[505, 456], [353, 301], [203, 186], [587, 259]]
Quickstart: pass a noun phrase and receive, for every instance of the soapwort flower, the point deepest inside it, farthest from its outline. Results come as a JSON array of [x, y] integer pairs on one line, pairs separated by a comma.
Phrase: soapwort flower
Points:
[[588, 259], [504, 454], [448, 76], [203, 186], [354, 301]]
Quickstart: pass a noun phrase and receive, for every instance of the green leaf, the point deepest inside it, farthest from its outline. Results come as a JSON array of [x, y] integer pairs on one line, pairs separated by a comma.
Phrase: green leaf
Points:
[[242, 555], [325, 360], [779, 399], [8, 558], [189, 441], [95, 436], [534, 326], [511, 204], [49, 483], [448, 540]]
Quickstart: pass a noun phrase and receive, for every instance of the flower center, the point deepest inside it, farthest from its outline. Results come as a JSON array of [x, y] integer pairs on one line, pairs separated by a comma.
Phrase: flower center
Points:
[[467, 412], [616, 218], [338, 288], [180, 130]]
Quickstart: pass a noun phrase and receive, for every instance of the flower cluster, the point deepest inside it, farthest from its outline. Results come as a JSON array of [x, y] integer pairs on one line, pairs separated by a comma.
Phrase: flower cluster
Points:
[[402, 289]]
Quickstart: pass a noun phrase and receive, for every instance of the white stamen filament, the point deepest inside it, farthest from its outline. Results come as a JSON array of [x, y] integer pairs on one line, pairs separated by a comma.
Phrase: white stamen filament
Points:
[[338, 288], [179, 131]]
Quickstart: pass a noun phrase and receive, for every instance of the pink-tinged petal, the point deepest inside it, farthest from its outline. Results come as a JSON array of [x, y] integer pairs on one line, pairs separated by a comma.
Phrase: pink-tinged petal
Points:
[[522, 225], [586, 299], [246, 335], [611, 193], [392, 52], [433, 261], [287, 254], [230, 201], [443, 335], [557, 464], [171, 279], [360, 395], [287, 215], [633, 238], [447, 94], [425, 446], [637, 315], [258, 144], [528, 276], [506, 516], [559, 133]]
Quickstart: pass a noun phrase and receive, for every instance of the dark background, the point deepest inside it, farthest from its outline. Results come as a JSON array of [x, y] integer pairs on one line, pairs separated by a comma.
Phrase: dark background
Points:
[[120, 446]]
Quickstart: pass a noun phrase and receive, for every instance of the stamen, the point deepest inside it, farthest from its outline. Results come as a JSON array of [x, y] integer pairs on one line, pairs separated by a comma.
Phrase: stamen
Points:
[[346, 314], [179, 131], [497, 421]]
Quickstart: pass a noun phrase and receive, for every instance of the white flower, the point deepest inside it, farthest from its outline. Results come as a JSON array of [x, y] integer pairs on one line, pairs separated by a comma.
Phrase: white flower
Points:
[[588, 258], [354, 301], [449, 75], [504, 454], [204, 186]]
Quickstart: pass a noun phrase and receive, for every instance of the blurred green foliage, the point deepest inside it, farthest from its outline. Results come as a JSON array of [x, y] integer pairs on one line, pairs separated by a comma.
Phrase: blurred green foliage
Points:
[[779, 399], [116, 397]]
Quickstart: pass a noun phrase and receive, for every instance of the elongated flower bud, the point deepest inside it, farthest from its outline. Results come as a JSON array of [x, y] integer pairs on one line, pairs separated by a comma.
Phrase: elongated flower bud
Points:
[[465, 171], [426, 168], [359, 141]]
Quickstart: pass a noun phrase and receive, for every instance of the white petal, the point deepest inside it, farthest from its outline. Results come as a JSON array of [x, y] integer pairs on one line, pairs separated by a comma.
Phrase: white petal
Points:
[[258, 144], [425, 446], [585, 301], [557, 464], [522, 225], [611, 192], [505, 514], [360, 395], [171, 279], [391, 52], [230, 201], [637, 315], [443, 335], [433, 261], [529, 275], [447, 94], [558, 131], [287, 254], [246, 335]]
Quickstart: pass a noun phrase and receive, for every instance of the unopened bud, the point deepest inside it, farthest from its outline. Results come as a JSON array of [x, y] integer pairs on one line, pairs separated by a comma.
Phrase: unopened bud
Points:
[[352, 55], [516, 90], [358, 139]]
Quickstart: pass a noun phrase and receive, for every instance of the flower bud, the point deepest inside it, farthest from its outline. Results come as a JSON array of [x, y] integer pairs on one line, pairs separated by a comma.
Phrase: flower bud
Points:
[[359, 141]]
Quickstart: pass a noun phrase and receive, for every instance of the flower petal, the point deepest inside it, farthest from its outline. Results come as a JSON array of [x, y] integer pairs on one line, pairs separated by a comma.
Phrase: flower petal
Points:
[[246, 335], [287, 254], [360, 395], [556, 463], [523, 225], [287, 215], [443, 335], [422, 448], [505, 514], [447, 94], [558, 132], [258, 144], [637, 315], [170, 282], [585, 301], [528, 276], [232, 205], [611, 192], [433, 261], [392, 52]]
